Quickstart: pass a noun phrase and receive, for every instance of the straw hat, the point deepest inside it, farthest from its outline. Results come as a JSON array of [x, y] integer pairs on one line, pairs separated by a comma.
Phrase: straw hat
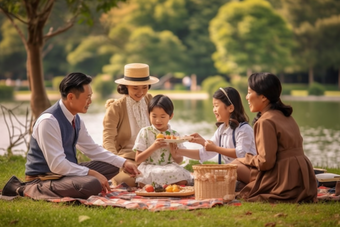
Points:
[[137, 74]]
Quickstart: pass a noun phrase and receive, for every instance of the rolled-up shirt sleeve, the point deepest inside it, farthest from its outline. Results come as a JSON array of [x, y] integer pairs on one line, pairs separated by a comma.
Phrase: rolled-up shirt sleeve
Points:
[[206, 155], [94, 151], [48, 135], [245, 141]]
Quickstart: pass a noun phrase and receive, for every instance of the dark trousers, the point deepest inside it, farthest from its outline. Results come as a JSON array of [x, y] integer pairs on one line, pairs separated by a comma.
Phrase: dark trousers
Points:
[[71, 186]]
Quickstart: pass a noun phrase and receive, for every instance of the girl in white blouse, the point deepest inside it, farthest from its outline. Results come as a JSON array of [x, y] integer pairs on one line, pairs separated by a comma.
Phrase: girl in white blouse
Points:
[[234, 136]]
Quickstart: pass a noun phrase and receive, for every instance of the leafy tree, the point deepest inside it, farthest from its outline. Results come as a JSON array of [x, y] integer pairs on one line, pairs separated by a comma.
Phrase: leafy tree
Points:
[[163, 51], [188, 20], [12, 55], [250, 36], [34, 14], [90, 55], [329, 46], [311, 20]]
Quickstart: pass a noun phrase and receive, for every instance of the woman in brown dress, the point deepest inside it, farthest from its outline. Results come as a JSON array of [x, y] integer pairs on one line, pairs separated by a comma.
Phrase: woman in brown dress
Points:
[[280, 172]]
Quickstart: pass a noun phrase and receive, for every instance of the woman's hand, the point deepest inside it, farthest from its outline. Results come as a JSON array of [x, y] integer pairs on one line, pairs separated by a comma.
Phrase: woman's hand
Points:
[[173, 150], [197, 138], [175, 155], [209, 146]]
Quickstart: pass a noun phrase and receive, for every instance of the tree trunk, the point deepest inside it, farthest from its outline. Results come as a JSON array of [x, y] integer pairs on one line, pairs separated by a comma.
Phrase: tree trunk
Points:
[[282, 78], [249, 72], [339, 78], [311, 75], [39, 99]]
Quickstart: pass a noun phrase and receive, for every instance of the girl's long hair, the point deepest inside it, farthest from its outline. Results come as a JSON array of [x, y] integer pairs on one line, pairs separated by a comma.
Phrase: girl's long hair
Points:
[[238, 115]]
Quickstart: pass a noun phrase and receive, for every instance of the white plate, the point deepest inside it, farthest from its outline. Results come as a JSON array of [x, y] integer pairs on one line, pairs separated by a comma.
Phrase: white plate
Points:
[[323, 177], [176, 140]]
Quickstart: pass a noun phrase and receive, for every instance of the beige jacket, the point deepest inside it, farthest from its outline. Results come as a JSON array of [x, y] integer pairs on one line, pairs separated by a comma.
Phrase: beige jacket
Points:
[[117, 132]]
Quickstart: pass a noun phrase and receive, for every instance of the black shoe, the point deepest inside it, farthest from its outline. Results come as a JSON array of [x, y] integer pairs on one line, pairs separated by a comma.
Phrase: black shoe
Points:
[[14, 187]]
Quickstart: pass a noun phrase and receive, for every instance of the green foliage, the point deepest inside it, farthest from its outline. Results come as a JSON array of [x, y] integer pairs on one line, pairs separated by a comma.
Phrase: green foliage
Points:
[[209, 84], [90, 55], [179, 87], [250, 35], [316, 29], [195, 162], [240, 83], [103, 85], [56, 81], [316, 89], [6, 92], [48, 83]]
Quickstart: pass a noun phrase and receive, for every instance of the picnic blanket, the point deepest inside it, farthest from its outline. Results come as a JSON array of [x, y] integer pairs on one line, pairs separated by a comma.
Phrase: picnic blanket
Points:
[[327, 194], [127, 198], [123, 197]]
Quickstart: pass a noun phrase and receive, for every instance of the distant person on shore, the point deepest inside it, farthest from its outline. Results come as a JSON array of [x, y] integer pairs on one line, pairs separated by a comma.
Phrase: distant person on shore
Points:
[[280, 172], [126, 116], [159, 163], [52, 168], [234, 136]]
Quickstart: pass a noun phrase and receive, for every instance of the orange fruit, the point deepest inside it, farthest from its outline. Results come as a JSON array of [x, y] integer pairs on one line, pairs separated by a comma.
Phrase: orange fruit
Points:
[[160, 136], [175, 188], [173, 137], [168, 189], [168, 136]]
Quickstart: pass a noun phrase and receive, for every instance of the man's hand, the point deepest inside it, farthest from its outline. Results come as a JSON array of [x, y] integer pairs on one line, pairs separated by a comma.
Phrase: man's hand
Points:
[[103, 181], [130, 168]]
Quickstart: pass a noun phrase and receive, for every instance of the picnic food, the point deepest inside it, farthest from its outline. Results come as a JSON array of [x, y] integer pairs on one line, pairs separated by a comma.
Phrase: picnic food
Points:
[[159, 188], [160, 136], [149, 188]]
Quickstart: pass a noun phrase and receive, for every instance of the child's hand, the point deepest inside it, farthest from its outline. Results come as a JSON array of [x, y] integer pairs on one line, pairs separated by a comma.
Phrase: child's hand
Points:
[[209, 145], [197, 138], [159, 143]]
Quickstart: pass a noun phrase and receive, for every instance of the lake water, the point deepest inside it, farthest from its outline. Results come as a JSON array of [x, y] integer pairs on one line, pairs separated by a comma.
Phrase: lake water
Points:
[[319, 123]]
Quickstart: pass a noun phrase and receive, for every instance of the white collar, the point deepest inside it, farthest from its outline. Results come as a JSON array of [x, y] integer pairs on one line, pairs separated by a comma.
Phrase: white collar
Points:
[[66, 112]]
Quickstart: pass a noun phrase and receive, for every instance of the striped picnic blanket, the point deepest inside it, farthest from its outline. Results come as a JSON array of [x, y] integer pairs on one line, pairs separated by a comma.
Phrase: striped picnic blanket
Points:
[[121, 197], [327, 194]]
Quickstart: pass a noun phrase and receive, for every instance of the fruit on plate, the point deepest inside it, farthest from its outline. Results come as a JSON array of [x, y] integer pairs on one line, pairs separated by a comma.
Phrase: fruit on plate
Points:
[[173, 137], [160, 136], [149, 188], [168, 137], [158, 188], [175, 188], [168, 188]]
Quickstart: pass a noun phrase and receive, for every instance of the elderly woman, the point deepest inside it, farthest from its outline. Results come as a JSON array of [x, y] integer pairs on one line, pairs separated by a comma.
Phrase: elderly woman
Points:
[[125, 117]]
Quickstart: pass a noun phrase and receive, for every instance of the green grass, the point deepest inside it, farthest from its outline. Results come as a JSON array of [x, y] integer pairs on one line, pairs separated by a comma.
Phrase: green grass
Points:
[[26, 212]]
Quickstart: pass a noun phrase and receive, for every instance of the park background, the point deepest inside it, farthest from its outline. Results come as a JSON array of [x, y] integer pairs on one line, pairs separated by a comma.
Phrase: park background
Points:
[[215, 42], [193, 46]]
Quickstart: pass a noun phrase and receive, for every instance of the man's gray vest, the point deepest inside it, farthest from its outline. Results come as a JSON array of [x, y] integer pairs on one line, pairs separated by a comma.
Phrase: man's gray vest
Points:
[[36, 163]]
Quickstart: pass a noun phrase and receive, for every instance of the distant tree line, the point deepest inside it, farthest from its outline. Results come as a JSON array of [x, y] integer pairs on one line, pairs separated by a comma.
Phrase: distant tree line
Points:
[[298, 40]]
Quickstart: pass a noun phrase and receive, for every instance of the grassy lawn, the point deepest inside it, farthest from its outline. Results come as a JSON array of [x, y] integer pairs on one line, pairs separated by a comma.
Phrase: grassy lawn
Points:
[[26, 212]]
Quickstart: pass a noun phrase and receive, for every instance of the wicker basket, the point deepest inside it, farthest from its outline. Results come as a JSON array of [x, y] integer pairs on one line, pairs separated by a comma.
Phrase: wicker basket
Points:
[[215, 181]]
